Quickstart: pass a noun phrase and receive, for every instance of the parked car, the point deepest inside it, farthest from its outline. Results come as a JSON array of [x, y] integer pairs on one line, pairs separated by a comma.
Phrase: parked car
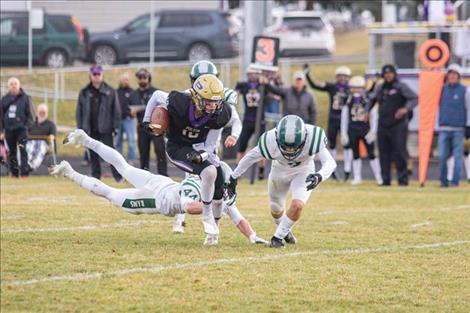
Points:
[[303, 33], [59, 42], [182, 34]]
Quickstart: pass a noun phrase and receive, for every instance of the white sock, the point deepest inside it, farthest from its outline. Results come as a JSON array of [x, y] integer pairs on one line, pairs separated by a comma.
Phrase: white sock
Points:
[[90, 183], [253, 237], [357, 170], [450, 168], [284, 227], [375, 166], [179, 218], [277, 220], [466, 162], [348, 158], [217, 206], [208, 176]]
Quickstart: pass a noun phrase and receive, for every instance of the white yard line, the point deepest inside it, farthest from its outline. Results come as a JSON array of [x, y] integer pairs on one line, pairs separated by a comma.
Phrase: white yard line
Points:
[[83, 227], [418, 225], [268, 257]]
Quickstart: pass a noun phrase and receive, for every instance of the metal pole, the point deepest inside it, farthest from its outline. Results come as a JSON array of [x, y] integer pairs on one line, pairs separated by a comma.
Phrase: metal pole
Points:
[[30, 38], [372, 51], [62, 86], [56, 95], [152, 35]]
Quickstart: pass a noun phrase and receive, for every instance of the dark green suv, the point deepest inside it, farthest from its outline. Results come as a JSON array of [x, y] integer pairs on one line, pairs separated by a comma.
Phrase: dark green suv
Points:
[[59, 42]]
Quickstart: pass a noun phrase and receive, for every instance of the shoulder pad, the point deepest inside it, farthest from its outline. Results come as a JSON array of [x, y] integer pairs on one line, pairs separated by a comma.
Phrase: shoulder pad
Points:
[[231, 96], [318, 140], [267, 144]]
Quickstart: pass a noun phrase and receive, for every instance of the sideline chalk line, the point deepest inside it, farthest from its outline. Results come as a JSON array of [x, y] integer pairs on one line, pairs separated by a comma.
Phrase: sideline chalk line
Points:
[[268, 257]]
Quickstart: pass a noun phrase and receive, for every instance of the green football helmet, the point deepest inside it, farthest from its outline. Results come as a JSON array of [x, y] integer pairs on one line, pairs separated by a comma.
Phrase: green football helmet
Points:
[[202, 67], [290, 136]]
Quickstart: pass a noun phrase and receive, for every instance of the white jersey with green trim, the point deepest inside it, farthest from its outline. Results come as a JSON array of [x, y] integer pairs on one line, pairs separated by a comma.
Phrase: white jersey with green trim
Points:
[[230, 96], [267, 148], [315, 141]]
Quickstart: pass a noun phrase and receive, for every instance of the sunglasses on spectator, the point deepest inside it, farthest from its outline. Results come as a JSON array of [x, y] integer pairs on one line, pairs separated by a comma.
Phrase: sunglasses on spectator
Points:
[[96, 74]]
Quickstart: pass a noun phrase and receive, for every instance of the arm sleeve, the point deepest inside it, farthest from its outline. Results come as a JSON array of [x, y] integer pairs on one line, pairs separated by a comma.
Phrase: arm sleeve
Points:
[[158, 98], [467, 105], [372, 95], [312, 84], [253, 156], [328, 164], [344, 120], [374, 120], [411, 97], [276, 90], [236, 123]]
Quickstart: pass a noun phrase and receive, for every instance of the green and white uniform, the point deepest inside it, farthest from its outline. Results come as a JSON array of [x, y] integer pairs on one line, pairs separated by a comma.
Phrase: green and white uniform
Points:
[[289, 174]]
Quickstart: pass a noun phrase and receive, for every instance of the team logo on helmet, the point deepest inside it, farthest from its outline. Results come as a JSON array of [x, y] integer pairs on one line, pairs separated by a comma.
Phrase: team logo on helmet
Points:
[[291, 134], [207, 89]]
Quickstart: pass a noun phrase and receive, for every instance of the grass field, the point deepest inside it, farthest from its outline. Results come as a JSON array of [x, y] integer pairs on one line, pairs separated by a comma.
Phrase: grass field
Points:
[[360, 249]]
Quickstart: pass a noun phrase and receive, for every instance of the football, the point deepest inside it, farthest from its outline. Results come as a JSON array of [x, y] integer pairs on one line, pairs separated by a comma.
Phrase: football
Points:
[[160, 121]]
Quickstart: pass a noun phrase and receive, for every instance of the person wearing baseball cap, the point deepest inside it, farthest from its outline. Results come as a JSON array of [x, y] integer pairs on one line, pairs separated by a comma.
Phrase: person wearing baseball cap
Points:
[[98, 113], [138, 100], [454, 125], [396, 102]]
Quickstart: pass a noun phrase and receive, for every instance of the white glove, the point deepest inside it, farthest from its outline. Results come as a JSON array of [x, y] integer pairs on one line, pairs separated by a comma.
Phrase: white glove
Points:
[[257, 240], [344, 139], [370, 137]]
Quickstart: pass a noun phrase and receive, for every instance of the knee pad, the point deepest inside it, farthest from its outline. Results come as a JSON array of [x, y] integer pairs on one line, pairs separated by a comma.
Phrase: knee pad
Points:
[[276, 207], [209, 173]]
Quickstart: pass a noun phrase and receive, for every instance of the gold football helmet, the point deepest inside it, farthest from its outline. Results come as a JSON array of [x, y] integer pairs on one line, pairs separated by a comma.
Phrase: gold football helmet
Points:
[[207, 93]]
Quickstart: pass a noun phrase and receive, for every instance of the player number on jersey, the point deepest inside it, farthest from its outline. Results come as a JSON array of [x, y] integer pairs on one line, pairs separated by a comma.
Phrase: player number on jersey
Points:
[[358, 114], [189, 193], [190, 132]]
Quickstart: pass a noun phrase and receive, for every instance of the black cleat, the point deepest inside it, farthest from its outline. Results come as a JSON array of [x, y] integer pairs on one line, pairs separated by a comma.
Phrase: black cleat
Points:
[[276, 243], [290, 238], [333, 176], [346, 176]]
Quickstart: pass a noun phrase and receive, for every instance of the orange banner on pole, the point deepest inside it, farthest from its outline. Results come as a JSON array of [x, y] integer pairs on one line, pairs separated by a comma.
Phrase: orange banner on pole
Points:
[[430, 88]]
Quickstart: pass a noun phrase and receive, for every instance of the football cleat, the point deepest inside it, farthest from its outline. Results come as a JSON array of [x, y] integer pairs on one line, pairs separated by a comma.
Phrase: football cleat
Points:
[[211, 240], [290, 238], [178, 227], [61, 169], [77, 138], [276, 243], [346, 176]]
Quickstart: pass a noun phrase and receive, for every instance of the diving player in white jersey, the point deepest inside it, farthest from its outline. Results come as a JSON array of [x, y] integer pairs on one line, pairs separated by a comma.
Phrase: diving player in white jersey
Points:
[[153, 194], [292, 146], [159, 98]]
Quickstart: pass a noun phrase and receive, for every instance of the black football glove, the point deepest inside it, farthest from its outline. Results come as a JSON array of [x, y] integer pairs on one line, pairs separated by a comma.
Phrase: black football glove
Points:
[[197, 156], [467, 132], [306, 69], [231, 187], [313, 180]]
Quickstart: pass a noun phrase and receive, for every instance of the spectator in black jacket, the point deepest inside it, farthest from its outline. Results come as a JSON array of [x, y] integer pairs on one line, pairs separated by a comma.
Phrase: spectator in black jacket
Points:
[[17, 114], [139, 99], [98, 113], [396, 101], [124, 92]]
